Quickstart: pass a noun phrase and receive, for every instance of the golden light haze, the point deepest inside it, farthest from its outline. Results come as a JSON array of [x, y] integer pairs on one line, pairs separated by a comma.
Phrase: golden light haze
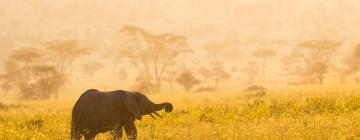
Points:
[[238, 26], [223, 69], [245, 20]]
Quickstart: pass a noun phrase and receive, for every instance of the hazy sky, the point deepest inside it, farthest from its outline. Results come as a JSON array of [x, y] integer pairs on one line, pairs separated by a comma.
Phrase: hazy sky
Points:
[[249, 20], [246, 23]]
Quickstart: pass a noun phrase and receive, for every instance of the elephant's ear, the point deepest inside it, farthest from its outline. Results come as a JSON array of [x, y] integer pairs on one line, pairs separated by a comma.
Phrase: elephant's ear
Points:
[[132, 105]]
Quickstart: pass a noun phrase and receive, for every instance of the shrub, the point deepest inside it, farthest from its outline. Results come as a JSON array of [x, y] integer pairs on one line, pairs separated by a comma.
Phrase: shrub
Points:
[[352, 103], [321, 105]]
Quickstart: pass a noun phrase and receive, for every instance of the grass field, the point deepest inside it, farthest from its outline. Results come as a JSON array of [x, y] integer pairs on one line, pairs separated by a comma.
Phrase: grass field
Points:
[[292, 113]]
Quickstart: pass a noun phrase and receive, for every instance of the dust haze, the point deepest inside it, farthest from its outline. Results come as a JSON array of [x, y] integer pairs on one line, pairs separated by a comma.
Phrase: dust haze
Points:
[[239, 43], [234, 69]]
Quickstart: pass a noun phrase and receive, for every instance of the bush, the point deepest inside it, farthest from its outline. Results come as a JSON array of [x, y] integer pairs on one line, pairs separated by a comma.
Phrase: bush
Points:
[[278, 108], [352, 103], [255, 109], [2, 106], [34, 123], [321, 105]]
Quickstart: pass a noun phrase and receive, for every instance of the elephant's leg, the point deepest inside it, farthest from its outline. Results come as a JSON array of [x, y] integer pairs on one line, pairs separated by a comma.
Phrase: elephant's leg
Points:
[[117, 133], [89, 136], [75, 134], [131, 131]]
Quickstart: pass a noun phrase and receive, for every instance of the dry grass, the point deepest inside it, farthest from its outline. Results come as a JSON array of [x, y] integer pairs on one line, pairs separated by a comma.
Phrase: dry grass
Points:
[[293, 113]]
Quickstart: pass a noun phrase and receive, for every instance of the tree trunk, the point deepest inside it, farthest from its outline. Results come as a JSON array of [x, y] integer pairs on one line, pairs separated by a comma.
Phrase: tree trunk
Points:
[[264, 68]]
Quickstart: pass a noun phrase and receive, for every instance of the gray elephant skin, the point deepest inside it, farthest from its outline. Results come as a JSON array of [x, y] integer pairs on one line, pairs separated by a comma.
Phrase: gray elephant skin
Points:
[[98, 112]]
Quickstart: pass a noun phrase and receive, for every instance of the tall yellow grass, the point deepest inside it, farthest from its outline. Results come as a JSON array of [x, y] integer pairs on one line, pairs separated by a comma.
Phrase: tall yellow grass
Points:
[[291, 113]]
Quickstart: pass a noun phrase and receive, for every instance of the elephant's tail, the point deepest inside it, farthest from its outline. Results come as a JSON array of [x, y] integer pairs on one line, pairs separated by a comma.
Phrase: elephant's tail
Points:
[[76, 115], [75, 133]]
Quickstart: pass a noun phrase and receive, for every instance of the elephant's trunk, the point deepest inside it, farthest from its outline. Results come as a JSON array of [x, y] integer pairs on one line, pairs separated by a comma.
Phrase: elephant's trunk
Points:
[[167, 106]]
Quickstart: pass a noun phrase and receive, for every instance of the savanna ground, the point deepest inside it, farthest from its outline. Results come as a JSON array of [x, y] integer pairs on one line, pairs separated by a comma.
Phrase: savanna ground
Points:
[[291, 113]]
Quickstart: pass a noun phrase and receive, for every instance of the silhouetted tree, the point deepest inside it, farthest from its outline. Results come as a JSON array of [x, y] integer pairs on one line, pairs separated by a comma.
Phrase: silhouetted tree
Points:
[[153, 53], [65, 52], [25, 57], [25, 72], [17, 68], [252, 71], [339, 69], [47, 81], [353, 61], [348, 65], [311, 60], [218, 72], [187, 80], [264, 54]]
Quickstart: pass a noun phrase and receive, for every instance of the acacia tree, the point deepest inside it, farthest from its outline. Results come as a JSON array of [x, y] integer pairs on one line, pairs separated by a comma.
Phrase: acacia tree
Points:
[[65, 52], [26, 72], [252, 71], [47, 81], [187, 80], [153, 54], [264, 54], [218, 72], [311, 60], [349, 65], [353, 61], [17, 68]]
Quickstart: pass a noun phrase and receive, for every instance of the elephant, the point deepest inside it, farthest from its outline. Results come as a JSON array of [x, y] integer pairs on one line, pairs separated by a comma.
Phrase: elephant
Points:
[[98, 112]]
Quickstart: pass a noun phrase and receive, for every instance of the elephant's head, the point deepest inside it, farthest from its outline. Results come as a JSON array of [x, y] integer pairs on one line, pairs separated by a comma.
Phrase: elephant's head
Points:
[[138, 104]]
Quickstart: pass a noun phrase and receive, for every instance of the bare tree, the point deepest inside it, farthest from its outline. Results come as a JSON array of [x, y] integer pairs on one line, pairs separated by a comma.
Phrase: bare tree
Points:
[[187, 80], [311, 60], [153, 53]]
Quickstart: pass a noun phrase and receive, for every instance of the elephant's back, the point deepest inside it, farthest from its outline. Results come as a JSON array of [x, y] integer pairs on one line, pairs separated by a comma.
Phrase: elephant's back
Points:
[[93, 101], [93, 109]]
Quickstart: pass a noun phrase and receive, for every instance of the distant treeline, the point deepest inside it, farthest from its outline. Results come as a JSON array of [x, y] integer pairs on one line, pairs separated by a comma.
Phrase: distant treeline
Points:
[[151, 61]]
